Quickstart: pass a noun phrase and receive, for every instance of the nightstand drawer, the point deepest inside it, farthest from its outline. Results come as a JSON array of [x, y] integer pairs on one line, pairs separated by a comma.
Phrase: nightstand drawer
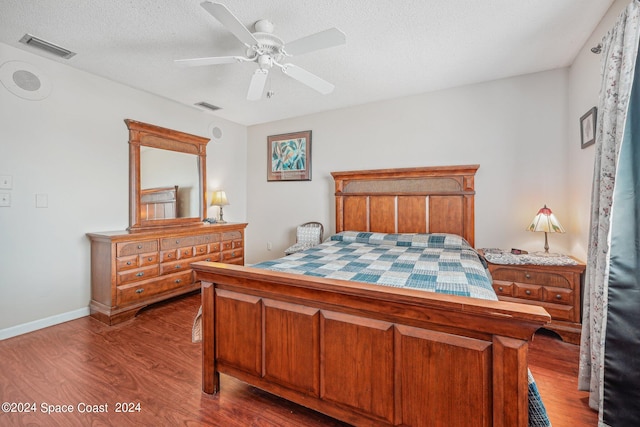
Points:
[[557, 295], [503, 289], [532, 292], [532, 277]]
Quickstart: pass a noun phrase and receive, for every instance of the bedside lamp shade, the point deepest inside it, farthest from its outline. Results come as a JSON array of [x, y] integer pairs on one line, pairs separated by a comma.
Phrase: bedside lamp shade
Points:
[[545, 221], [219, 198]]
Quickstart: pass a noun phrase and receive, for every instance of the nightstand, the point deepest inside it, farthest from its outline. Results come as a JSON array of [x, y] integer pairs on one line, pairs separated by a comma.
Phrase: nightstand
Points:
[[557, 288]]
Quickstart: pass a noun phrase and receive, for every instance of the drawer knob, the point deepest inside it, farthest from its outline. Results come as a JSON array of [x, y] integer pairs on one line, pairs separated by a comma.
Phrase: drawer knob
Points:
[[177, 241], [558, 296], [233, 254], [208, 259], [128, 262], [139, 291], [527, 275], [139, 246], [140, 274], [501, 289], [178, 266], [178, 280], [169, 256], [150, 259], [528, 292]]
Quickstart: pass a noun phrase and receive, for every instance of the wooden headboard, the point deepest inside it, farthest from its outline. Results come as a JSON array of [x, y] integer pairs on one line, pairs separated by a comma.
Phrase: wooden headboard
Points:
[[436, 199]]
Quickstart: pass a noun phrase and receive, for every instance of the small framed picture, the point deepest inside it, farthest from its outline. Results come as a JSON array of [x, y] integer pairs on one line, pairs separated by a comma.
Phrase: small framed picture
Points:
[[289, 157], [588, 128]]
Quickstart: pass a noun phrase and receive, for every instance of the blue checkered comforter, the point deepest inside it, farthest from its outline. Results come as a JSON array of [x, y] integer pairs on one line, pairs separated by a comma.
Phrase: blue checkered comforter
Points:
[[442, 263], [431, 262]]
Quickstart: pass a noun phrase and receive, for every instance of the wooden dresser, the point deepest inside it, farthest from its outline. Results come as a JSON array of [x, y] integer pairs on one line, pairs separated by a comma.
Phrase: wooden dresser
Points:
[[557, 288], [132, 270]]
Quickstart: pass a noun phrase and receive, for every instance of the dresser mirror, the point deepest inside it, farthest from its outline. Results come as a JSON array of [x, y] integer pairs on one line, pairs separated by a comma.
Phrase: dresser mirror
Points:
[[167, 177]]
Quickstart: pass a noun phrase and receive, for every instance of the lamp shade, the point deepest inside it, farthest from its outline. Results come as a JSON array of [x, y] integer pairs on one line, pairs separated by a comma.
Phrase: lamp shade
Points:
[[546, 221], [219, 198]]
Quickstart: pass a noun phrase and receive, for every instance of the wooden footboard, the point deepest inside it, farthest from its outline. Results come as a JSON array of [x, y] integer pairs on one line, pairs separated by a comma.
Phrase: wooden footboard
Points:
[[367, 354]]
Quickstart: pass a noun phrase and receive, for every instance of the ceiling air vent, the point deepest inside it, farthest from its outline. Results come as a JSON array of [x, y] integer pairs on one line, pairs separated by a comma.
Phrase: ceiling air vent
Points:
[[33, 41], [208, 106]]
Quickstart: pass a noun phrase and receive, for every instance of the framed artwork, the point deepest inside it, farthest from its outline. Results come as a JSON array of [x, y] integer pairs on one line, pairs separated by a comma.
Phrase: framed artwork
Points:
[[588, 128], [289, 157]]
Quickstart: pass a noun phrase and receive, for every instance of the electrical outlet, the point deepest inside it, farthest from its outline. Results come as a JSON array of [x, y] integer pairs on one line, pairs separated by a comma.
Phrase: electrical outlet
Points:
[[5, 199], [6, 182], [269, 246]]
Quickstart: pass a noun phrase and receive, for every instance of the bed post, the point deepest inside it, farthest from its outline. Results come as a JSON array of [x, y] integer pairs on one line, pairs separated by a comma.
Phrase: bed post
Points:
[[210, 375], [509, 380]]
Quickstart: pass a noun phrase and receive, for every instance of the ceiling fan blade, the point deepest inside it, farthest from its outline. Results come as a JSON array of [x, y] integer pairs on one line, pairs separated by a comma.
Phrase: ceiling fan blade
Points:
[[322, 40], [256, 87], [214, 60], [307, 78], [228, 19]]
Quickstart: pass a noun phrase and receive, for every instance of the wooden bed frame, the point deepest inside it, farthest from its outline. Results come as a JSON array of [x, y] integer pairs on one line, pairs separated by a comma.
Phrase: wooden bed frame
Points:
[[368, 354]]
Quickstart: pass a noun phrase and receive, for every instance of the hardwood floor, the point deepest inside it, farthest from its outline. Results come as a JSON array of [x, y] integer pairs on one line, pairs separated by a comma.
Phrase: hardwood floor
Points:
[[149, 369]]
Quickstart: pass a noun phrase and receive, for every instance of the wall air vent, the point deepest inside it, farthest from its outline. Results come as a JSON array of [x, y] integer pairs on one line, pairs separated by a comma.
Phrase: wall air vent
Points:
[[51, 48], [208, 106]]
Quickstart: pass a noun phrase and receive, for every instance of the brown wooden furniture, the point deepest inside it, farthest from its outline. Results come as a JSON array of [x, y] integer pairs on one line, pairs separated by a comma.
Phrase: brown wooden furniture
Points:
[[557, 288], [371, 354], [132, 270], [155, 137], [156, 365]]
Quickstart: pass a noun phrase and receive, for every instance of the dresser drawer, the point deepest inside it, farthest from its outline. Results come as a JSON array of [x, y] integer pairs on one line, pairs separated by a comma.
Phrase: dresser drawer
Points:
[[207, 238], [175, 266], [136, 274], [140, 291], [170, 255], [201, 250], [232, 255], [135, 261], [208, 257], [177, 242], [132, 248], [185, 253]]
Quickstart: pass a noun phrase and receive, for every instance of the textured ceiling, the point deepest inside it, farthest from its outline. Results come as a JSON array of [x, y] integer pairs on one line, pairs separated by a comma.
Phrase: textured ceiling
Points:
[[393, 49]]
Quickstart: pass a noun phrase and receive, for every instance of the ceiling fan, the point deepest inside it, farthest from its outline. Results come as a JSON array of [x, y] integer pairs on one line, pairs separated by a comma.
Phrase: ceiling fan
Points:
[[267, 50]]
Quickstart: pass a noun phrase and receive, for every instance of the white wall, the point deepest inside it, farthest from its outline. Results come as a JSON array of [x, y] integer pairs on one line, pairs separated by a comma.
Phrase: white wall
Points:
[[584, 89], [73, 147], [514, 128]]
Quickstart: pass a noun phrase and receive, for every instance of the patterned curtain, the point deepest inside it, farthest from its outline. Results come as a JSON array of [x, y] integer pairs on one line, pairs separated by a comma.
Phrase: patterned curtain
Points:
[[620, 48]]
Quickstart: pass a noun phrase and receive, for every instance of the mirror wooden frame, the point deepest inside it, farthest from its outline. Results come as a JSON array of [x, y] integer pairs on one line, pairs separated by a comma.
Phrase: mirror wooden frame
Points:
[[144, 134]]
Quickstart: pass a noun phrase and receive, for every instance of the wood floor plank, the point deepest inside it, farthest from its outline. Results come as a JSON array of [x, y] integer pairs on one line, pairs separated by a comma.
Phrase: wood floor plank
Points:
[[151, 361]]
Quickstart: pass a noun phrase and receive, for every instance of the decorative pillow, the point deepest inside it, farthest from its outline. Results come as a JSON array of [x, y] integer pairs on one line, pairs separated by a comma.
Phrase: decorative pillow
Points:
[[308, 235], [422, 240]]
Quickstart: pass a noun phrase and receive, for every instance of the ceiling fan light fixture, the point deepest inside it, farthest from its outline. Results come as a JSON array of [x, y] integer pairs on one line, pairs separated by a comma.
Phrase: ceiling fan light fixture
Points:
[[267, 50]]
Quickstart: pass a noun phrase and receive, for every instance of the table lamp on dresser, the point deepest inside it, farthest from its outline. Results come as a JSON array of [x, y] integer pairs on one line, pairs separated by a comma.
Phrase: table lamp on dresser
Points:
[[545, 221], [219, 198]]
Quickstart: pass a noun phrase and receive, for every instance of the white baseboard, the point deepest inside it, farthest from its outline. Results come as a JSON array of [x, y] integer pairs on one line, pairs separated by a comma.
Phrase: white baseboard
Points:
[[24, 328]]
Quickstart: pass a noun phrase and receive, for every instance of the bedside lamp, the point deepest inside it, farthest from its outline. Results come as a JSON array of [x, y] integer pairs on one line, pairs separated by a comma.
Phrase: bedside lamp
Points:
[[219, 198], [545, 221]]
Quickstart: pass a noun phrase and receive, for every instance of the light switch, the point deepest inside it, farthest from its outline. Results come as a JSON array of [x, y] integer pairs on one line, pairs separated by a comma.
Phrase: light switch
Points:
[[6, 182], [42, 201], [5, 199]]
